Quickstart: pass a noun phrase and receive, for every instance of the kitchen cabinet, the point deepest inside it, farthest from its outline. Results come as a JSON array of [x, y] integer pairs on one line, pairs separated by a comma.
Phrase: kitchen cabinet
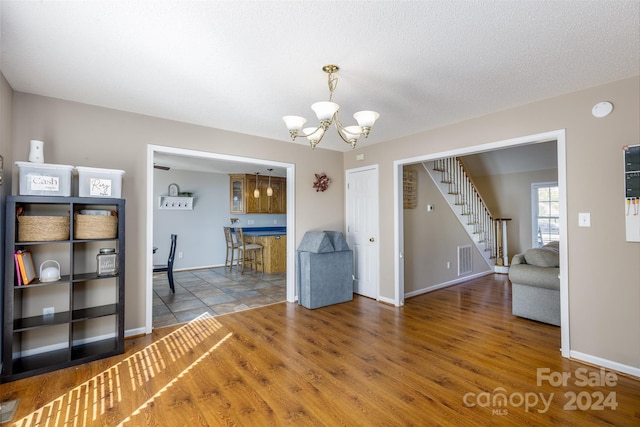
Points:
[[274, 249], [242, 200], [237, 191], [53, 324]]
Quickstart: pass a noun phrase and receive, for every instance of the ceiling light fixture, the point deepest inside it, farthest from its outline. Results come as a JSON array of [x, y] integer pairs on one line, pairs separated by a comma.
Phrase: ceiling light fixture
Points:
[[256, 192], [327, 113], [269, 189]]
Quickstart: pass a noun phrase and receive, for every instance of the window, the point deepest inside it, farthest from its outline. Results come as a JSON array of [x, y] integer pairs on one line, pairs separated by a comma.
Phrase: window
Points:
[[545, 202]]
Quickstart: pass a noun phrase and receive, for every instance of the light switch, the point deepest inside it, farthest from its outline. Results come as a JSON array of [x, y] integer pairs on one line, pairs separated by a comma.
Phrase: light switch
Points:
[[584, 219]]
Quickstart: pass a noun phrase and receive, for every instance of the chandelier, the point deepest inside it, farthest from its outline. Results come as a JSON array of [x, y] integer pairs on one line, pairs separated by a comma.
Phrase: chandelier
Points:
[[327, 113]]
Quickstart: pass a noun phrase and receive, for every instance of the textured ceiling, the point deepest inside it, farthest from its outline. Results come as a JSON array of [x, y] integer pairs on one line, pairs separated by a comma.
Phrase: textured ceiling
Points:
[[242, 65]]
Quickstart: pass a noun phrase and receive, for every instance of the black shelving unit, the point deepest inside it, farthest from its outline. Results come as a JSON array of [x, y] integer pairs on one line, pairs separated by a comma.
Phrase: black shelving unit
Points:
[[88, 319]]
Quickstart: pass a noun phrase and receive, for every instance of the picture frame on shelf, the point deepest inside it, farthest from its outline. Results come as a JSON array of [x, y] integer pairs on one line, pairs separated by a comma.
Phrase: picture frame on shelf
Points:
[[174, 190]]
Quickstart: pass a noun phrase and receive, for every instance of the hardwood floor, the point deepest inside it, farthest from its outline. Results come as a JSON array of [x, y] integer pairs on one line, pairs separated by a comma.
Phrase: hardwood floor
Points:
[[445, 358]]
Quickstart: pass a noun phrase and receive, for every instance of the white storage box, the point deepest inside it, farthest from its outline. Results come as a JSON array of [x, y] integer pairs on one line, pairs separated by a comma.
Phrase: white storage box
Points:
[[94, 182], [43, 179]]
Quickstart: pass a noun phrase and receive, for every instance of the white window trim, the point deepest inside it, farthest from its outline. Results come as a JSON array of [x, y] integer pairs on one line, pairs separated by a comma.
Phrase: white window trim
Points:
[[534, 209]]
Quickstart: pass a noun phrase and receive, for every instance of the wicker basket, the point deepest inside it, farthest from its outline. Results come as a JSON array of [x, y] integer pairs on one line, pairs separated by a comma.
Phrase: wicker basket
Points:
[[42, 228], [96, 226]]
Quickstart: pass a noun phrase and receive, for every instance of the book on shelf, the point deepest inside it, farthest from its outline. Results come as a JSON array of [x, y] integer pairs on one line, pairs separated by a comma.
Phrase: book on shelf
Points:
[[18, 274], [25, 267]]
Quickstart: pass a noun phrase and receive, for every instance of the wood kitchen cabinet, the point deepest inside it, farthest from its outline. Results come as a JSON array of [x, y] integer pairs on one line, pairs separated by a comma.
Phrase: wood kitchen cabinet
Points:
[[242, 200], [237, 194], [274, 249]]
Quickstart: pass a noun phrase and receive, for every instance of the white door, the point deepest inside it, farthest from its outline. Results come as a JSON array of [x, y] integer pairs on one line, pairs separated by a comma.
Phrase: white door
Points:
[[362, 228]]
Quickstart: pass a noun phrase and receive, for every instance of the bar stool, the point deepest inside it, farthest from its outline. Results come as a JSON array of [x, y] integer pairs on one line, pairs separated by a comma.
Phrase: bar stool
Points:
[[232, 247], [248, 252]]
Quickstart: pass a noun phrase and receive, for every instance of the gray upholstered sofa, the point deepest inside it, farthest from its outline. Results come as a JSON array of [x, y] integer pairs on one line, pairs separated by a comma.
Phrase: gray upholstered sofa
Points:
[[535, 292]]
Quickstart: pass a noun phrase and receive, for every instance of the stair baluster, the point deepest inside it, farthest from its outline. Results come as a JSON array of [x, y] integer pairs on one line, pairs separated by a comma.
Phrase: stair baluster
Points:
[[483, 225]]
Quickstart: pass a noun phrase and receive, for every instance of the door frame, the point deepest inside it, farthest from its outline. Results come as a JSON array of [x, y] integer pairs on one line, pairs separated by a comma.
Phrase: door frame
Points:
[[347, 174], [151, 150], [556, 135]]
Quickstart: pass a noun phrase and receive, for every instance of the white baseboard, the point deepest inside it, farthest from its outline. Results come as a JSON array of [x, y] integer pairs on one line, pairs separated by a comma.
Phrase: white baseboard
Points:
[[605, 363], [446, 284], [389, 301], [134, 332], [501, 269]]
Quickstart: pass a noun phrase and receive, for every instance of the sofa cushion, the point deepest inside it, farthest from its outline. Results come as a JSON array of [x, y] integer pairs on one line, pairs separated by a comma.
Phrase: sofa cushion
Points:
[[542, 257]]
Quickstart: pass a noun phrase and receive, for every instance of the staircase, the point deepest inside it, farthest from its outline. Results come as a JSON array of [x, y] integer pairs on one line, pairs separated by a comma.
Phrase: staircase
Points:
[[488, 232]]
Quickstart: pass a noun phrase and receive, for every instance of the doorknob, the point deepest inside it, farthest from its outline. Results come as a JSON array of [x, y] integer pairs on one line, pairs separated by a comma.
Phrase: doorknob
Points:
[[371, 239]]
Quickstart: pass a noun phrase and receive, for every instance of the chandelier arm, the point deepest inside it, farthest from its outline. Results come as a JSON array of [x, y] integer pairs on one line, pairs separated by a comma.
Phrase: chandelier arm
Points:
[[351, 143], [340, 127], [320, 126]]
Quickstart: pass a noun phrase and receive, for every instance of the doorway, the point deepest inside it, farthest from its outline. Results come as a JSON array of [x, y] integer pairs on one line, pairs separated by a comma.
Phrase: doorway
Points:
[[152, 150], [559, 137]]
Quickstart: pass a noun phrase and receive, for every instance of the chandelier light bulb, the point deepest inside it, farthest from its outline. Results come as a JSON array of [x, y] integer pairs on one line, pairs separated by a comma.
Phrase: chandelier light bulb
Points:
[[294, 124], [325, 110], [366, 118], [314, 135]]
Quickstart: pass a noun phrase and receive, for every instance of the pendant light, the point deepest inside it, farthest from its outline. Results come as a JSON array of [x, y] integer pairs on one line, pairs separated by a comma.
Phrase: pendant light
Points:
[[256, 192], [269, 189]]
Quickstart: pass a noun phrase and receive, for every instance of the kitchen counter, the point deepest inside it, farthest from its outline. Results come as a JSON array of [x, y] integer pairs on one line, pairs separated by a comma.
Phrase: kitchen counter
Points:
[[263, 231], [274, 246]]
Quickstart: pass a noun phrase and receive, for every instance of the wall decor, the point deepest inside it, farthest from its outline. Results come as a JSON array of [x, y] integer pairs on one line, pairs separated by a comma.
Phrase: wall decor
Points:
[[174, 190], [409, 189], [322, 182]]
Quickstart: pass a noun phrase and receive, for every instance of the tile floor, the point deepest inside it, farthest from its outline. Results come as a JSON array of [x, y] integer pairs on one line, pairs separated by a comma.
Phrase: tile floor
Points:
[[213, 290]]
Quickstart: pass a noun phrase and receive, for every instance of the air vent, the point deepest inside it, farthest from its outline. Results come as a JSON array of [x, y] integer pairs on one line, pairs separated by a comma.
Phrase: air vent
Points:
[[465, 260]]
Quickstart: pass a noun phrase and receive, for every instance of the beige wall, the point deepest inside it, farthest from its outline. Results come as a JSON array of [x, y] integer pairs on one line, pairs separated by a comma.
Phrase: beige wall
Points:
[[6, 100], [604, 293], [509, 196], [604, 290], [83, 135], [431, 239]]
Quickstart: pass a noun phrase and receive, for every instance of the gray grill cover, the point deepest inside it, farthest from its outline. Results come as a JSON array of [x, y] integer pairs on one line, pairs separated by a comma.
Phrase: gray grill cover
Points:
[[325, 269]]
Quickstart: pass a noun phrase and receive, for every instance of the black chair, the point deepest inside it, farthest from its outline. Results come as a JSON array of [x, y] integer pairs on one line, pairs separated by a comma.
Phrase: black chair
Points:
[[169, 266]]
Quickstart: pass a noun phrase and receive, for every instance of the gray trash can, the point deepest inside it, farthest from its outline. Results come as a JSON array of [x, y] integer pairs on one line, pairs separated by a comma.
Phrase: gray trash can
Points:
[[325, 269]]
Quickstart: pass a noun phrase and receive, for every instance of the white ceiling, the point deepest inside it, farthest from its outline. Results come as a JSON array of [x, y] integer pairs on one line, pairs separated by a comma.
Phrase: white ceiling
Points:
[[241, 65]]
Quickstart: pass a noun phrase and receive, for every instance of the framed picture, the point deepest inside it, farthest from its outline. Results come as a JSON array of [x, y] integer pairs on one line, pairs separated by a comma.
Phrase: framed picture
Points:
[[174, 190]]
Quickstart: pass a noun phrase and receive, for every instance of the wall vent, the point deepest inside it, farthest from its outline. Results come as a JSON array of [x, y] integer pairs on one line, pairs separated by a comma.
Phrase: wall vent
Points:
[[465, 260]]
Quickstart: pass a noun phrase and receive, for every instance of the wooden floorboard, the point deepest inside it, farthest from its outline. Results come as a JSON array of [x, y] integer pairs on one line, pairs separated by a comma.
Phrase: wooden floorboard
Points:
[[444, 358]]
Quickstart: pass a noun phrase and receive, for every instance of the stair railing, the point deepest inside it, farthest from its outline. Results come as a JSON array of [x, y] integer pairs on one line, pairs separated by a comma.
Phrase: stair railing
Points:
[[490, 230]]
